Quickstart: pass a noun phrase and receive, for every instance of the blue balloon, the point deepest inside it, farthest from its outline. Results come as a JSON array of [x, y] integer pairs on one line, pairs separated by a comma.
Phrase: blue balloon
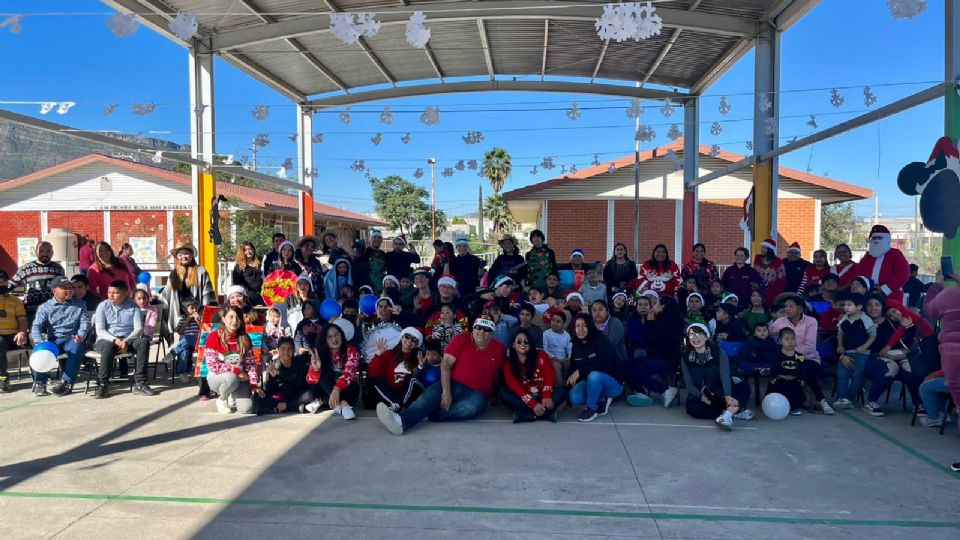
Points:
[[144, 278], [47, 346], [430, 376], [368, 304], [329, 309]]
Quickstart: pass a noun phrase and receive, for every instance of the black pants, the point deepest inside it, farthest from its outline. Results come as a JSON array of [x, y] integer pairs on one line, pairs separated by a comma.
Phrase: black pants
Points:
[[808, 374], [792, 390], [514, 403], [392, 395], [321, 391], [6, 344], [139, 346], [698, 409]]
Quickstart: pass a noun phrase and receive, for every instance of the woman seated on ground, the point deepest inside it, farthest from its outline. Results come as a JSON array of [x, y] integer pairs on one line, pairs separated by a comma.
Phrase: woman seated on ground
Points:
[[643, 368], [391, 370], [805, 328], [284, 381], [592, 364], [333, 374], [710, 389], [530, 388], [247, 272], [149, 313], [231, 367], [725, 326], [105, 269]]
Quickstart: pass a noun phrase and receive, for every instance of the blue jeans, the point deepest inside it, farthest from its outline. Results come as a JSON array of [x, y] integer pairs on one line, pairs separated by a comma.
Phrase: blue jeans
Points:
[[879, 371], [183, 352], [74, 352], [597, 386], [850, 381], [642, 372], [467, 404], [934, 394]]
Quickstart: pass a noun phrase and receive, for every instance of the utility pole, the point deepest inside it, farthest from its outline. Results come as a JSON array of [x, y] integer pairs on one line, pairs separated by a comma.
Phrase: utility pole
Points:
[[480, 212], [433, 198], [253, 151]]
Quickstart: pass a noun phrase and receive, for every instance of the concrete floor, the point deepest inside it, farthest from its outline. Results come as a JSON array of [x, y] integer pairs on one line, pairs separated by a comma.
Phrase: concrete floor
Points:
[[170, 467]]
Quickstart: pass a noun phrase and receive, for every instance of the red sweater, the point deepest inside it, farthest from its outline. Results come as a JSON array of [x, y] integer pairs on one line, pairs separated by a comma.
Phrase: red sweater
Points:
[[774, 277], [812, 276], [385, 365], [541, 383], [100, 278]]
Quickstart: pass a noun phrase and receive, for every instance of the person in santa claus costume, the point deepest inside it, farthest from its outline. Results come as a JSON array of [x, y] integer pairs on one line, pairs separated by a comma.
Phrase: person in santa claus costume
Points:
[[770, 268], [883, 264]]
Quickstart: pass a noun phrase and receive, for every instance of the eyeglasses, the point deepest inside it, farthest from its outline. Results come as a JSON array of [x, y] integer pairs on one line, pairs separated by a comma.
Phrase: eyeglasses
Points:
[[483, 329], [521, 342]]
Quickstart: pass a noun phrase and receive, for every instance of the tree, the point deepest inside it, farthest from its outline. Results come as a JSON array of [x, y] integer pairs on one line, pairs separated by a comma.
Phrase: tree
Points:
[[497, 210], [497, 167], [836, 223], [404, 206]]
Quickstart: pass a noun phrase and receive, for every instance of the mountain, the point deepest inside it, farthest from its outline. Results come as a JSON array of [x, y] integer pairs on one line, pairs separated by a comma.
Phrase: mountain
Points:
[[24, 149]]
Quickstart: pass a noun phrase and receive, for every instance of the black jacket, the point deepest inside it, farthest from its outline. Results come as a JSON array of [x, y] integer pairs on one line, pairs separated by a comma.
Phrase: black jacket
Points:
[[597, 354]]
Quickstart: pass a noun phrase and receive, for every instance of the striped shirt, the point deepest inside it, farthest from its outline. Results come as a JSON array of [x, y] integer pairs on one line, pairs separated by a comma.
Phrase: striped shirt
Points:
[[35, 278]]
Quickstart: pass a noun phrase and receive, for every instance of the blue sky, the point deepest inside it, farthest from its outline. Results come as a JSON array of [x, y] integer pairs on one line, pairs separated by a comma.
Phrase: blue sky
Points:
[[840, 44]]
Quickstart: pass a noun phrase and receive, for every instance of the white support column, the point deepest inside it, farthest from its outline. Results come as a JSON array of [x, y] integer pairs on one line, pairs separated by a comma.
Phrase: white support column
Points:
[[678, 231], [545, 217], [44, 228], [106, 228], [611, 229], [817, 208], [306, 172], [202, 136], [766, 179], [170, 236], [689, 224]]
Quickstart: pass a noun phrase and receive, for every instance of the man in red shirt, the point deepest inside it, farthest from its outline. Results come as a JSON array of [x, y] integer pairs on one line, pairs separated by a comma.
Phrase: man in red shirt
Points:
[[469, 368]]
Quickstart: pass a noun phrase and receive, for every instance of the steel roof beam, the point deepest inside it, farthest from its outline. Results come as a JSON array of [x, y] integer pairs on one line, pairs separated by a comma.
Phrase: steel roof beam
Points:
[[603, 52], [546, 37], [724, 25], [485, 44], [733, 54], [666, 48]]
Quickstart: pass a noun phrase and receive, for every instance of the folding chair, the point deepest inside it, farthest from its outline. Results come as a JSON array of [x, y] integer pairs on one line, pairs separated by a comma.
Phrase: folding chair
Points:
[[92, 368]]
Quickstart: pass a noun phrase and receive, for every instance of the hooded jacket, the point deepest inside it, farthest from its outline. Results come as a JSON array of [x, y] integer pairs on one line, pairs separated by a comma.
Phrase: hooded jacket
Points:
[[333, 282]]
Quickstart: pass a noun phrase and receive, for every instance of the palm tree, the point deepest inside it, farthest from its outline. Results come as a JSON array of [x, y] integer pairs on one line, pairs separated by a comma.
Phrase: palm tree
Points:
[[497, 167], [497, 210]]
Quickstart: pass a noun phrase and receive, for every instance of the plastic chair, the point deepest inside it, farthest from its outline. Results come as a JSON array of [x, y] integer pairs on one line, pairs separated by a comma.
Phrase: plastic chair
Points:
[[92, 371]]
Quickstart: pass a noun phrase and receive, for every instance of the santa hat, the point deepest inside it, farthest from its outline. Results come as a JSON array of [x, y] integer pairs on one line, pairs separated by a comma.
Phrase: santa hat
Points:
[[769, 243], [794, 247], [879, 229], [502, 280], [236, 289], [412, 332], [447, 279], [390, 278], [619, 293], [699, 326], [698, 295], [576, 251], [303, 277], [556, 311], [652, 294], [143, 287], [423, 270], [387, 299], [575, 294], [865, 280], [727, 296]]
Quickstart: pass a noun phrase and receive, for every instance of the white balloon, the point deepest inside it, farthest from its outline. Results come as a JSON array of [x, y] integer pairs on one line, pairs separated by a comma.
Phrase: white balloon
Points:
[[346, 326], [43, 361], [776, 406]]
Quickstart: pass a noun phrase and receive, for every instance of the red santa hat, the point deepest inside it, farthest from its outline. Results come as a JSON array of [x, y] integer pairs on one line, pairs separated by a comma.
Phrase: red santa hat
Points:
[[794, 247], [769, 243], [880, 229], [447, 279]]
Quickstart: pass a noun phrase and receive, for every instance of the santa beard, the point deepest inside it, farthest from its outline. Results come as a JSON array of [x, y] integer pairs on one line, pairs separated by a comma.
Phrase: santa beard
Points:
[[879, 247]]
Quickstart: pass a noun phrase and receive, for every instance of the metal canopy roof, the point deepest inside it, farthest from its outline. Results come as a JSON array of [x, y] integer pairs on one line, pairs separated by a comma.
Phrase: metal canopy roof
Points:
[[287, 44]]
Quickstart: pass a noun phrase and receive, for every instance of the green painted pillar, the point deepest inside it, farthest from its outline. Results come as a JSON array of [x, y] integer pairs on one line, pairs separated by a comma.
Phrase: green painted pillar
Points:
[[951, 103]]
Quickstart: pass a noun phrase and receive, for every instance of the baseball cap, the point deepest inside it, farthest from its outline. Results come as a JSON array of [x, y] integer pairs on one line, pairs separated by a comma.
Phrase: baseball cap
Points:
[[485, 323], [59, 281]]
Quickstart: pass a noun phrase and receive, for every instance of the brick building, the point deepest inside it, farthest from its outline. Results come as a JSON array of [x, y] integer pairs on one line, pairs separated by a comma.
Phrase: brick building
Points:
[[101, 197], [594, 208]]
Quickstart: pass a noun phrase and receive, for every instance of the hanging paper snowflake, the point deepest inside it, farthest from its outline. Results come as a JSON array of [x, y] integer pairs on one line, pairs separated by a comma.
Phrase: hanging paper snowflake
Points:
[[674, 132], [431, 116], [366, 25], [473, 137], [123, 25], [261, 112], [635, 110], [574, 112], [108, 110], [262, 139], [447, 172], [345, 116], [282, 172], [764, 103], [573, 169], [646, 134], [716, 128], [417, 33], [472, 164], [667, 110], [12, 23], [418, 173], [714, 150], [612, 168], [405, 138], [157, 157], [630, 20], [293, 138], [596, 160], [563, 169], [368, 174], [184, 26], [358, 166], [377, 139], [461, 165], [317, 138], [349, 27], [835, 98], [812, 122], [906, 9], [47, 107], [287, 163], [677, 164], [635, 167], [725, 106], [199, 109], [386, 117], [65, 107], [770, 125], [868, 97], [534, 170], [750, 146], [547, 163], [143, 109]]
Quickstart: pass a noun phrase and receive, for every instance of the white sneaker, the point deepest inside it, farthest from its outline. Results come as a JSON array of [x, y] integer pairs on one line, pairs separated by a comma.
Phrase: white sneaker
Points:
[[336, 411], [842, 404], [724, 422], [931, 422], [669, 395], [873, 409], [232, 401], [826, 408], [223, 407], [745, 414], [389, 419], [313, 406], [347, 413], [184, 378]]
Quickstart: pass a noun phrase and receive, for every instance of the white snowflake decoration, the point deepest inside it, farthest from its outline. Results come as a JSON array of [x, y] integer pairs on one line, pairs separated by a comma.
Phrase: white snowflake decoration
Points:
[[184, 26], [725, 106], [287, 163], [143, 109], [366, 25], [667, 110], [198, 109], [716, 129], [629, 20], [431, 116], [461, 165], [349, 27], [472, 164], [770, 125], [677, 164], [157, 157], [714, 150], [473, 137], [646, 134], [47, 107], [447, 172], [65, 107], [293, 138], [563, 169], [635, 110], [764, 103], [750, 146], [123, 25], [547, 163], [345, 116], [906, 9], [612, 168], [812, 122], [868, 97], [262, 140], [386, 117], [417, 33], [573, 169], [108, 110], [405, 138], [596, 160], [317, 138], [674, 133], [261, 112], [282, 172], [574, 112], [835, 98], [358, 166], [534, 170], [377, 139], [418, 173], [12, 23]]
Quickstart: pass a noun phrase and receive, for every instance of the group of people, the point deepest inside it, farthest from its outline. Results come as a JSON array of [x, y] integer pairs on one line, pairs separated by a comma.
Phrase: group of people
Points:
[[442, 340]]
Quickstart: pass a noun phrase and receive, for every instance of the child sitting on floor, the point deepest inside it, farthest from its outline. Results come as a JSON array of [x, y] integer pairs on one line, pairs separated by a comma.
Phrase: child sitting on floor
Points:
[[786, 372]]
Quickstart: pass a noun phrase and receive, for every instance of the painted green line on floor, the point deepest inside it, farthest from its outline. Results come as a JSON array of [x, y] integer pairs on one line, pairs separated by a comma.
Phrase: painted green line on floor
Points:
[[833, 522], [20, 406], [903, 446]]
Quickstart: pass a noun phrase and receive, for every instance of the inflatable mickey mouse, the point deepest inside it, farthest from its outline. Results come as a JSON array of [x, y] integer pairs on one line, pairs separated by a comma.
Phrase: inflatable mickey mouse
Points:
[[938, 183]]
